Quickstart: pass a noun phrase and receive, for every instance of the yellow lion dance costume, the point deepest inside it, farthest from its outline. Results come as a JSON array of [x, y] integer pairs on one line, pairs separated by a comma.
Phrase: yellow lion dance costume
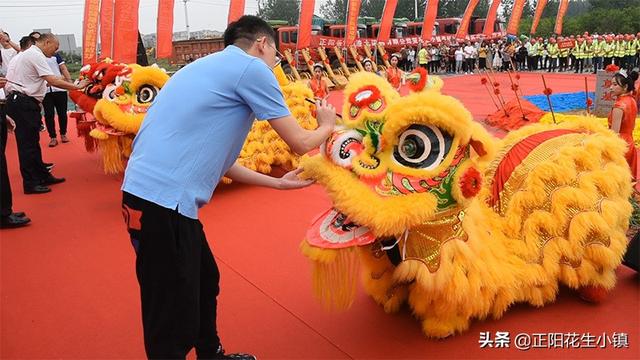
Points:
[[120, 112], [458, 224]]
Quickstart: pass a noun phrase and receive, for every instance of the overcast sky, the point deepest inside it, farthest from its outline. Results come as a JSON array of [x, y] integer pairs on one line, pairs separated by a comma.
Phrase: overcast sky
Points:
[[20, 17]]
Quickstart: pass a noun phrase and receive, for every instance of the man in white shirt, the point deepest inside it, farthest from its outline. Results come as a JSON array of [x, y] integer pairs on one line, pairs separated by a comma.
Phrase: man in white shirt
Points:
[[468, 56], [55, 101], [8, 49], [28, 76]]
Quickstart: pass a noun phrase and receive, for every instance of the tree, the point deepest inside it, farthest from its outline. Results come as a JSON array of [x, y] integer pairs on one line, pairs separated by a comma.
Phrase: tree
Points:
[[288, 10]]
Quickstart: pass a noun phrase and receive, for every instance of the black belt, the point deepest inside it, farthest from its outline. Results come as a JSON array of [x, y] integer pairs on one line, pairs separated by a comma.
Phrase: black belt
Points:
[[21, 96]]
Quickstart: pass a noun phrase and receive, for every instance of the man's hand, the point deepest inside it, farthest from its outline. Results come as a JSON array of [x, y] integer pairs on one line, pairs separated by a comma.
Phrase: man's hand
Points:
[[82, 83], [291, 180], [3, 82], [326, 114], [11, 125]]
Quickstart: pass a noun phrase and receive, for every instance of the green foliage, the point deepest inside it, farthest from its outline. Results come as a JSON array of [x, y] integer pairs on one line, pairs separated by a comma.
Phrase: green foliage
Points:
[[616, 20], [288, 10]]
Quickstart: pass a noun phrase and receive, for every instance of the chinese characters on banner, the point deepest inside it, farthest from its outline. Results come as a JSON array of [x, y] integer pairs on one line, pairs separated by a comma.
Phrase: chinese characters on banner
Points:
[[352, 21], [604, 96], [90, 31]]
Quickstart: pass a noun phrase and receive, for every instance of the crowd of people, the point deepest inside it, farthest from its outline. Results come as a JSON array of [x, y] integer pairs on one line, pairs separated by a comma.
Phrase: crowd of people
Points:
[[581, 53], [33, 78]]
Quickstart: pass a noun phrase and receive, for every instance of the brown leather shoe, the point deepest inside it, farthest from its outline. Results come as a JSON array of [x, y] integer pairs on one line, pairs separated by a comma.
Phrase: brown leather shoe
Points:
[[53, 142], [64, 138]]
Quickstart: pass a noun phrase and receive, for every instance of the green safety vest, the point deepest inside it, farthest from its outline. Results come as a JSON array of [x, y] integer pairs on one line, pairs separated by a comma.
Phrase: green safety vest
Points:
[[553, 50], [620, 48], [632, 47], [599, 49], [579, 50], [609, 49], [564, 52], [588, 51]]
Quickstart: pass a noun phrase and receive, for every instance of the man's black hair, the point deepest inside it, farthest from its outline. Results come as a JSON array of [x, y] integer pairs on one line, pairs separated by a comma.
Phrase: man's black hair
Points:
[[248, 27], [26, 42]]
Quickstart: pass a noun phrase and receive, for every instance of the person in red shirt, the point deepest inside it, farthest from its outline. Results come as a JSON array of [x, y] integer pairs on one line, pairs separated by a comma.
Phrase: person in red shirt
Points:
[[318, 84], [394, 75], [622, 118]]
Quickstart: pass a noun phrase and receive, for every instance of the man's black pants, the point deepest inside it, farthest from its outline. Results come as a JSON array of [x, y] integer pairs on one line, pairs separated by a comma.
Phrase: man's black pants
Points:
[[25, 111], [178, 277], [5, 192], [55, 102]]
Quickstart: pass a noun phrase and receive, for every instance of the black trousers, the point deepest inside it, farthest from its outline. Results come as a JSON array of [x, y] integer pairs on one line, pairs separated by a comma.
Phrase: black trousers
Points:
[[178, 277], [55, 102], [25, 111], [552, 64], [579, 65], [5, 192], [607, 61]]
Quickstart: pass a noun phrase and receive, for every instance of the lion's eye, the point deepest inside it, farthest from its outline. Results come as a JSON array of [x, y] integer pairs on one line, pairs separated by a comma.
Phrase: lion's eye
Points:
[[422, 147], [147, 94], [342, 147]]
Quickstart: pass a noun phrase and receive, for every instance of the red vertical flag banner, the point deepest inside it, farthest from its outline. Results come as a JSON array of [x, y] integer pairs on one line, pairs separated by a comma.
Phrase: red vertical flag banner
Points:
[[304, 23], [352, 22], [489, 24], [430, 13], [106, 28], [538, 15], [516, 15], [125, 15], [463, 30], [236, 10], [90, 30], [386, 23], [562, 9], [164, 49]]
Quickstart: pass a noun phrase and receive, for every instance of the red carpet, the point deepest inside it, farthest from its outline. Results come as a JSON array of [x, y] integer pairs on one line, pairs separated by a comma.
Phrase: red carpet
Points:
[[68, 286]]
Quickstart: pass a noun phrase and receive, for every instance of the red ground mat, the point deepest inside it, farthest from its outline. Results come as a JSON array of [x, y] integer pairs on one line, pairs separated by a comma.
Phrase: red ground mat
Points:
[[68, 286]]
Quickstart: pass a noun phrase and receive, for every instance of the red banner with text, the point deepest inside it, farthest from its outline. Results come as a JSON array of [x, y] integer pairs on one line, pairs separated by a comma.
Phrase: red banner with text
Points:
[[306, 19], [516, 15], [491, 18], [164, 49], [538, 15], [352, 21], [463, 30], [562, 9], [90, 31], [386, 23], [106, 29], [236, 10], [125, 16], [430, 13]]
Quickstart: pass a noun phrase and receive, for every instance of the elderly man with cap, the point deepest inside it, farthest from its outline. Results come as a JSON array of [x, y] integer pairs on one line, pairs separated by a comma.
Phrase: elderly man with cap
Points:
[[28, 79]]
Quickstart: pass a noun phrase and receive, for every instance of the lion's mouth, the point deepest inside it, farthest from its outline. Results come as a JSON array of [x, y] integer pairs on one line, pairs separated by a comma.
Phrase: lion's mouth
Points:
[[335, 230]]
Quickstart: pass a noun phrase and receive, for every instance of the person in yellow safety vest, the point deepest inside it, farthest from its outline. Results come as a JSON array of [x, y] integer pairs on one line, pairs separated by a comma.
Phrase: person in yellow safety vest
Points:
[[564, 56], [632, 43], [423, 57], [620, 51], [598, 53], [637, 54], [609, 49], [554, 52], [579, 51], [588, 54]]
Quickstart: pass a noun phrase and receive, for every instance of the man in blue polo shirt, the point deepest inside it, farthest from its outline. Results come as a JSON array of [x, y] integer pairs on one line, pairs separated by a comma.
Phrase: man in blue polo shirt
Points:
[[190, 138]]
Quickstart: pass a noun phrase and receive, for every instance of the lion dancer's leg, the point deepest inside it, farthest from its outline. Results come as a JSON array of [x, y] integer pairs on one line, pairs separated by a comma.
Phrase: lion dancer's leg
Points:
[[377, 278]]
